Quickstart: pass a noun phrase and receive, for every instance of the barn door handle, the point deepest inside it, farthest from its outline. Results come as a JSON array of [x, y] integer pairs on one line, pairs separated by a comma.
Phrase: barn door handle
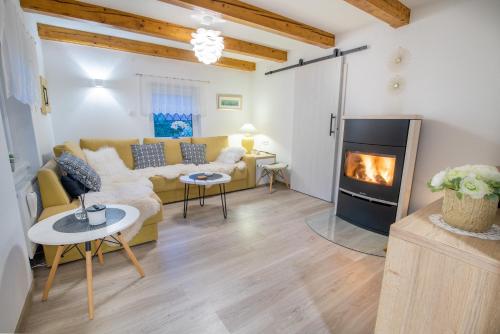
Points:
[[332, 132]]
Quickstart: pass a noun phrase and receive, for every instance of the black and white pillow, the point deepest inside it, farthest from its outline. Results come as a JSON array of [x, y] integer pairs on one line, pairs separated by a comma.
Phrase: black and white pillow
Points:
[[194, 153], [80, 171], [73, 187], [148, 155]]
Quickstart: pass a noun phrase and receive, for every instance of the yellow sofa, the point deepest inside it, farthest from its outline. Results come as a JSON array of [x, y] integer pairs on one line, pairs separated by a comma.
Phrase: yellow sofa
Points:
[[56, 200]]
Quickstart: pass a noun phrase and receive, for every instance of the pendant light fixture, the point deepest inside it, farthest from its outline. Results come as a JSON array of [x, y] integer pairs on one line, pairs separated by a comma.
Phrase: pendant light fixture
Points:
[[207, 44]]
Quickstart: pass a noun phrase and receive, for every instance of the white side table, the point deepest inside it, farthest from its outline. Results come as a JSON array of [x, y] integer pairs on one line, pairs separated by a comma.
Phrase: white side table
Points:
[[65, 232], [213, 179]]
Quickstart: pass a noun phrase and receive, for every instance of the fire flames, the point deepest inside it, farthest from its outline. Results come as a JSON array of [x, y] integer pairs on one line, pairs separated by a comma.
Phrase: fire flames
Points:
[[371, 168]]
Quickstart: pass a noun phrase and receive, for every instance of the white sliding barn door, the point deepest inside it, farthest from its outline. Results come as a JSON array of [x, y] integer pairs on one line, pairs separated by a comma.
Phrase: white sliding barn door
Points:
[[316, 112]]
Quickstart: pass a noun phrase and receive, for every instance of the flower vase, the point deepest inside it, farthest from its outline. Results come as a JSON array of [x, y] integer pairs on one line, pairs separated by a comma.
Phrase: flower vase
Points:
[[467, 213]]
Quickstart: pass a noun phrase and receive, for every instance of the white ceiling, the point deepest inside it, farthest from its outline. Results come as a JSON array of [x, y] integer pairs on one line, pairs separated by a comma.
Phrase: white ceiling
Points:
[[334, 16]]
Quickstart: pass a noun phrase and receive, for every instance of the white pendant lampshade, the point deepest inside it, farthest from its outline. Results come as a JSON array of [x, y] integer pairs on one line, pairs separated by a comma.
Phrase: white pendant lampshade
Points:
[[207, 45]]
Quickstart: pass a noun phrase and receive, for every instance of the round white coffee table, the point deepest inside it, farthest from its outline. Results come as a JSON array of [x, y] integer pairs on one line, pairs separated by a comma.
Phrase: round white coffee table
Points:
[[211, 179], [65, 232]]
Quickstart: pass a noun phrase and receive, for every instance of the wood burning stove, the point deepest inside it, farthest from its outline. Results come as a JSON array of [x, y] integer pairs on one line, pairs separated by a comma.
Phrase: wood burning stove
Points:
[[377, 162]]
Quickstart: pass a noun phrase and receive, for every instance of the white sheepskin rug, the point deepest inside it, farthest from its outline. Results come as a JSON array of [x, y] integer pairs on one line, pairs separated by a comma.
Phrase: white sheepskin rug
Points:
[[119, 185]]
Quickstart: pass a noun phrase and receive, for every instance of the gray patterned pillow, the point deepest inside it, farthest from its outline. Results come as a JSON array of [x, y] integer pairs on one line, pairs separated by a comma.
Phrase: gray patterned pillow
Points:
[[194, 153], [148, 155], [80, 171]]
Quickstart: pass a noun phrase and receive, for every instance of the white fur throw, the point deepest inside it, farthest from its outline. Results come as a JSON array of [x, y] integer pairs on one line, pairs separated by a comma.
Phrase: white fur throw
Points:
[[112, 170], [231, 155], [131, 194], [121, 186], [174, 171]]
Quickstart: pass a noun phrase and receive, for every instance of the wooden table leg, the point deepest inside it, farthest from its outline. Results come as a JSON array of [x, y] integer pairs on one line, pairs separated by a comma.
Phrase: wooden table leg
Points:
[[90, 292], [98, 247], [130, 254], [52, 273]]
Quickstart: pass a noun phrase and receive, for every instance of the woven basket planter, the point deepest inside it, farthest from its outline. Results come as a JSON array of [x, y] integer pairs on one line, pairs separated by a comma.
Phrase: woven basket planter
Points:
[[468, 214]]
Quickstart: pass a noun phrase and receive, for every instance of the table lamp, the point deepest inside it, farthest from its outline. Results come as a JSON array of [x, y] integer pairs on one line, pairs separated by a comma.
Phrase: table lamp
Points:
[[247, 140]]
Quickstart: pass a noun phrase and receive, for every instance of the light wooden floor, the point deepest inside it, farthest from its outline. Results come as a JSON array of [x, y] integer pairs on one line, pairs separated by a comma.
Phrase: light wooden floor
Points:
[[260, 271]]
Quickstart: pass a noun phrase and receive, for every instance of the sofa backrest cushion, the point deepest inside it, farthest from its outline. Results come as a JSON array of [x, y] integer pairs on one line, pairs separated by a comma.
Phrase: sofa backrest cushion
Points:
[[51, 189], [214, 145], [122, 147], [70, 147], [172, 148]]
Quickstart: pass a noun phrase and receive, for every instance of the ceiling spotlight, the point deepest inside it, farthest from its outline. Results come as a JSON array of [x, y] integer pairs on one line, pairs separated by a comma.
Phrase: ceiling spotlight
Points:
[[206, 18], [207, 45]]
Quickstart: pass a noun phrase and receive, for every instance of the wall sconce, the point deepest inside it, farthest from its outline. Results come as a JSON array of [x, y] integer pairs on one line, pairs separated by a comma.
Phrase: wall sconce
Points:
[[98, 83], [399, 59], [396, 84]]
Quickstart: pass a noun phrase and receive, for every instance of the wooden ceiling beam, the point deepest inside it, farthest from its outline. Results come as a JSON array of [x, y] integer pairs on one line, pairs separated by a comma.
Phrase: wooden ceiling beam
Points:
[[142, 25], [241, 12], [392, 12], [53, 33]]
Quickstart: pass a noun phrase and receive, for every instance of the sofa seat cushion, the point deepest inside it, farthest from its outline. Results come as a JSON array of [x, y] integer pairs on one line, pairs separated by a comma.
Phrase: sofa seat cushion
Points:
[[214, 145], [171, 147], [161, 184], [239, 174], [54, 210], [122, 147]]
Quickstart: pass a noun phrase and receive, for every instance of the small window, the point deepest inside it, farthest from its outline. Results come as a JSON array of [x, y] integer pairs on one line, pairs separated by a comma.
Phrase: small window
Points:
[[173, 125], [175, 113]]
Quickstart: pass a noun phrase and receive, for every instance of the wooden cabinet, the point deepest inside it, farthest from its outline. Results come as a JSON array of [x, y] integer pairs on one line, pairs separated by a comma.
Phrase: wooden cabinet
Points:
[[438, 282]]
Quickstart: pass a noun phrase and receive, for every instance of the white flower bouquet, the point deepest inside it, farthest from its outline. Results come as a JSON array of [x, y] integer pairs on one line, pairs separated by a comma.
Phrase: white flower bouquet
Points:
[[471, 196]]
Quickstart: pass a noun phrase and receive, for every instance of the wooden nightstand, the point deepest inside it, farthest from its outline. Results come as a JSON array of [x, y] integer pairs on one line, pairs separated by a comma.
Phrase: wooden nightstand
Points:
[[260, 160]]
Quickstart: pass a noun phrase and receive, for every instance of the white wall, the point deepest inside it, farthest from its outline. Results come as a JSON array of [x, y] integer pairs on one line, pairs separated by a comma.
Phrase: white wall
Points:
[[15, 272], [452, 79], [80, 110], [42, 124], [273, 109]]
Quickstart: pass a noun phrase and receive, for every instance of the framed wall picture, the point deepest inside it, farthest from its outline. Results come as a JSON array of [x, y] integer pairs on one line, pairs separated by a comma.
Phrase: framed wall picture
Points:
[[45, 108], [229, 102]]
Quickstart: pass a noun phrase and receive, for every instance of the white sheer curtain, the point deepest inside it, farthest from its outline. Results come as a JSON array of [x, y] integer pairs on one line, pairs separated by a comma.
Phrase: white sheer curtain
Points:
[[18, 55], [171, 95]]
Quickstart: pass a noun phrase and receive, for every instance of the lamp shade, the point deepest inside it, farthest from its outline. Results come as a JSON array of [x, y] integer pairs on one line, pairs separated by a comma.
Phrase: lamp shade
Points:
[[248, 128]]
